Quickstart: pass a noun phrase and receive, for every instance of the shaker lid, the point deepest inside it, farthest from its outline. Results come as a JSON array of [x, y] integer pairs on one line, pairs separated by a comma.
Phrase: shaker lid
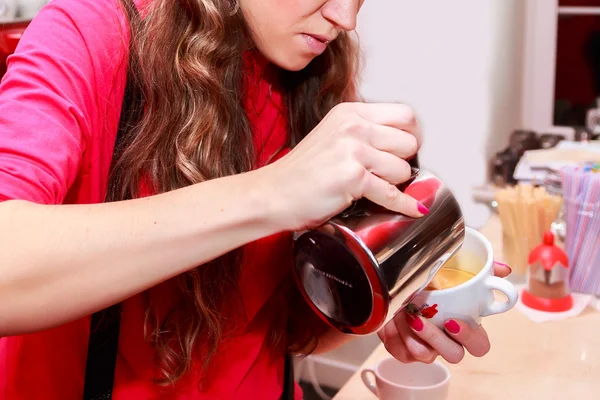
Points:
[[548, 254], [339, 282]]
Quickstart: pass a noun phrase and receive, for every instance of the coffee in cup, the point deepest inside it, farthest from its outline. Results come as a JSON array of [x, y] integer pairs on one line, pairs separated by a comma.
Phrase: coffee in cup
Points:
[[455, 272], [464, 288]]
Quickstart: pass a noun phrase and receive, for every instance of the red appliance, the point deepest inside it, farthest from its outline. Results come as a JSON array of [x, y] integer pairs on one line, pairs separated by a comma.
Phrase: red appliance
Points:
[[10, 34]]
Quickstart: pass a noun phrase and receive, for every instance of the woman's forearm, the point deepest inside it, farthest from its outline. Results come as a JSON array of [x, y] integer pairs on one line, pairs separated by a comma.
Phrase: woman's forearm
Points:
[[59, 263]]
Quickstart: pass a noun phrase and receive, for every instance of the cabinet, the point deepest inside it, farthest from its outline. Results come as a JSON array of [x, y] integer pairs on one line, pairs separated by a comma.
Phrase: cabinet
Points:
[[561, 62]]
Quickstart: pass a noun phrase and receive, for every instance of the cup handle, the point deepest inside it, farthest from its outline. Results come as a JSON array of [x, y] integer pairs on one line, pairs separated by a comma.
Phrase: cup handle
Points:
[[369, 383], [504, 286]]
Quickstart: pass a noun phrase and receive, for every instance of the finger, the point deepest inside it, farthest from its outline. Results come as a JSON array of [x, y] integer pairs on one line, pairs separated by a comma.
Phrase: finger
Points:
[[501, 270], [452, 351], [394, 344], [386, 166], [387, 195], [417, 348], [399, 116], [474, 340], [391, 140]]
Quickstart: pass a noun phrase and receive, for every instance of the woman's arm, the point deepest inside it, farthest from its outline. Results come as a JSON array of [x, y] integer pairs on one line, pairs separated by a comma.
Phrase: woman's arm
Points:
[[58, 263]]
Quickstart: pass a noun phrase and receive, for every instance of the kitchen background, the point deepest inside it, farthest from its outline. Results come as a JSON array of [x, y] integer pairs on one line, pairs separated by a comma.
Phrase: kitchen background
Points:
[[475, 71]]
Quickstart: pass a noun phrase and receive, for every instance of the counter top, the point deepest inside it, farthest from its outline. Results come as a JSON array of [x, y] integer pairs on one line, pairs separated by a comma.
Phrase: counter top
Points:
[[553, 360]]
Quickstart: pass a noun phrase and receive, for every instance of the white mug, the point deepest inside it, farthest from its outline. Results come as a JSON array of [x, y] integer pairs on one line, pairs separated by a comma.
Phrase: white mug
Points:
[[415, 381], [473, 299]]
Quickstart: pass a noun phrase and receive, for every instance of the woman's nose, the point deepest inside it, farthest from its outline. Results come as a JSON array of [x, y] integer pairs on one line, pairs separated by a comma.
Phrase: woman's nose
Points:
[[342, 13]]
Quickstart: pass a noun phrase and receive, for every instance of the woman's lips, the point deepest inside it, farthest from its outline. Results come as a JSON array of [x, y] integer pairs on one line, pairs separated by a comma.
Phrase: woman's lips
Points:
[[316, 44]]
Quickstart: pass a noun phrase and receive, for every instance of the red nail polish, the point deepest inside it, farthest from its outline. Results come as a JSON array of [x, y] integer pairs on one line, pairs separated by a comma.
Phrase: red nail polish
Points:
[[422, 209], [414, 322], [452, 326]]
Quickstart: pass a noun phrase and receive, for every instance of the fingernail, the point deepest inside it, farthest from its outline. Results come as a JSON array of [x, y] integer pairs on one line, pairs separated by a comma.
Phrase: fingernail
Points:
[[414, 322], [452, 326], [504, 265], [422, 209]]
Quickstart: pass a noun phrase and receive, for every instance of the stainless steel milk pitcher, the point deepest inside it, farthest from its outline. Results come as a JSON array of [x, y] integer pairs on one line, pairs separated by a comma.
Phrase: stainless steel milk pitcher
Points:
[[365, 265]]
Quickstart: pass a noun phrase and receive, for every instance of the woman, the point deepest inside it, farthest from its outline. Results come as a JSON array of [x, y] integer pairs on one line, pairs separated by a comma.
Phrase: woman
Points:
[[194, 242]]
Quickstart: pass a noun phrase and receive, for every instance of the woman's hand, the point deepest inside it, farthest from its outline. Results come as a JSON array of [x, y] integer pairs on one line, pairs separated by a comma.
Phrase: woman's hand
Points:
[[410, 338], [358, 150]]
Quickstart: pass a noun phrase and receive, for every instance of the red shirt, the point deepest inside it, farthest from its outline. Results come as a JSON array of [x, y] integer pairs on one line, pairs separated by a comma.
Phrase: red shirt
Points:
[[60, 103]]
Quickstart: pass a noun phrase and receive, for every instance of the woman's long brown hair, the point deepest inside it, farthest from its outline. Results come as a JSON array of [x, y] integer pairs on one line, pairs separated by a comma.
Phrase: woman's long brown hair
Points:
[[186, 58]]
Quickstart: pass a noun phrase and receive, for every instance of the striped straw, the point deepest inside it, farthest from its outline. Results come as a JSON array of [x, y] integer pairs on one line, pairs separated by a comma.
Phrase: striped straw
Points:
[[588, 260], [571, 187], [582, 244], [583, 215]]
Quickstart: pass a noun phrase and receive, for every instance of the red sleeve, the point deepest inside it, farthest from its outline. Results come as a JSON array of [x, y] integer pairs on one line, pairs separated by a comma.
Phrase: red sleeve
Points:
[[52, 98]]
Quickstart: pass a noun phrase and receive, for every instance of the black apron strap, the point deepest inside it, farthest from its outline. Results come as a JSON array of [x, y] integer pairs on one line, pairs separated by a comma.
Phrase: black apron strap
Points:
[[289, 385], [105, 324], [102, 354]]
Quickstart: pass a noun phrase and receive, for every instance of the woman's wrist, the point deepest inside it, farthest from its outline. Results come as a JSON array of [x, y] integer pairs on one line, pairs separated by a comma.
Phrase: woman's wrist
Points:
[[260, 201]]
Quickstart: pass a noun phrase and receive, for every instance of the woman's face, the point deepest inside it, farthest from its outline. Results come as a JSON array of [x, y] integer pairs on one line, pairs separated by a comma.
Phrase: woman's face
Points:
[[290, 33]]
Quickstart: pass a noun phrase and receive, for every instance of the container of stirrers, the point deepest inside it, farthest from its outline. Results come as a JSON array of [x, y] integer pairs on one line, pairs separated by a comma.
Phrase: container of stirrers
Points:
[[526, 212], [581, 191]]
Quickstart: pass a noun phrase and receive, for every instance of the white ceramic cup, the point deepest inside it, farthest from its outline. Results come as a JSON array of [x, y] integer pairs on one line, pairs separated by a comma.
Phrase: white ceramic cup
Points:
[[394, 380], [471, 300]]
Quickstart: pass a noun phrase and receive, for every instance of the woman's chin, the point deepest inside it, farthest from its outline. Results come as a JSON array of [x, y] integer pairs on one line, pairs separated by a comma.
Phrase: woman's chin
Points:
[[292, 64]]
